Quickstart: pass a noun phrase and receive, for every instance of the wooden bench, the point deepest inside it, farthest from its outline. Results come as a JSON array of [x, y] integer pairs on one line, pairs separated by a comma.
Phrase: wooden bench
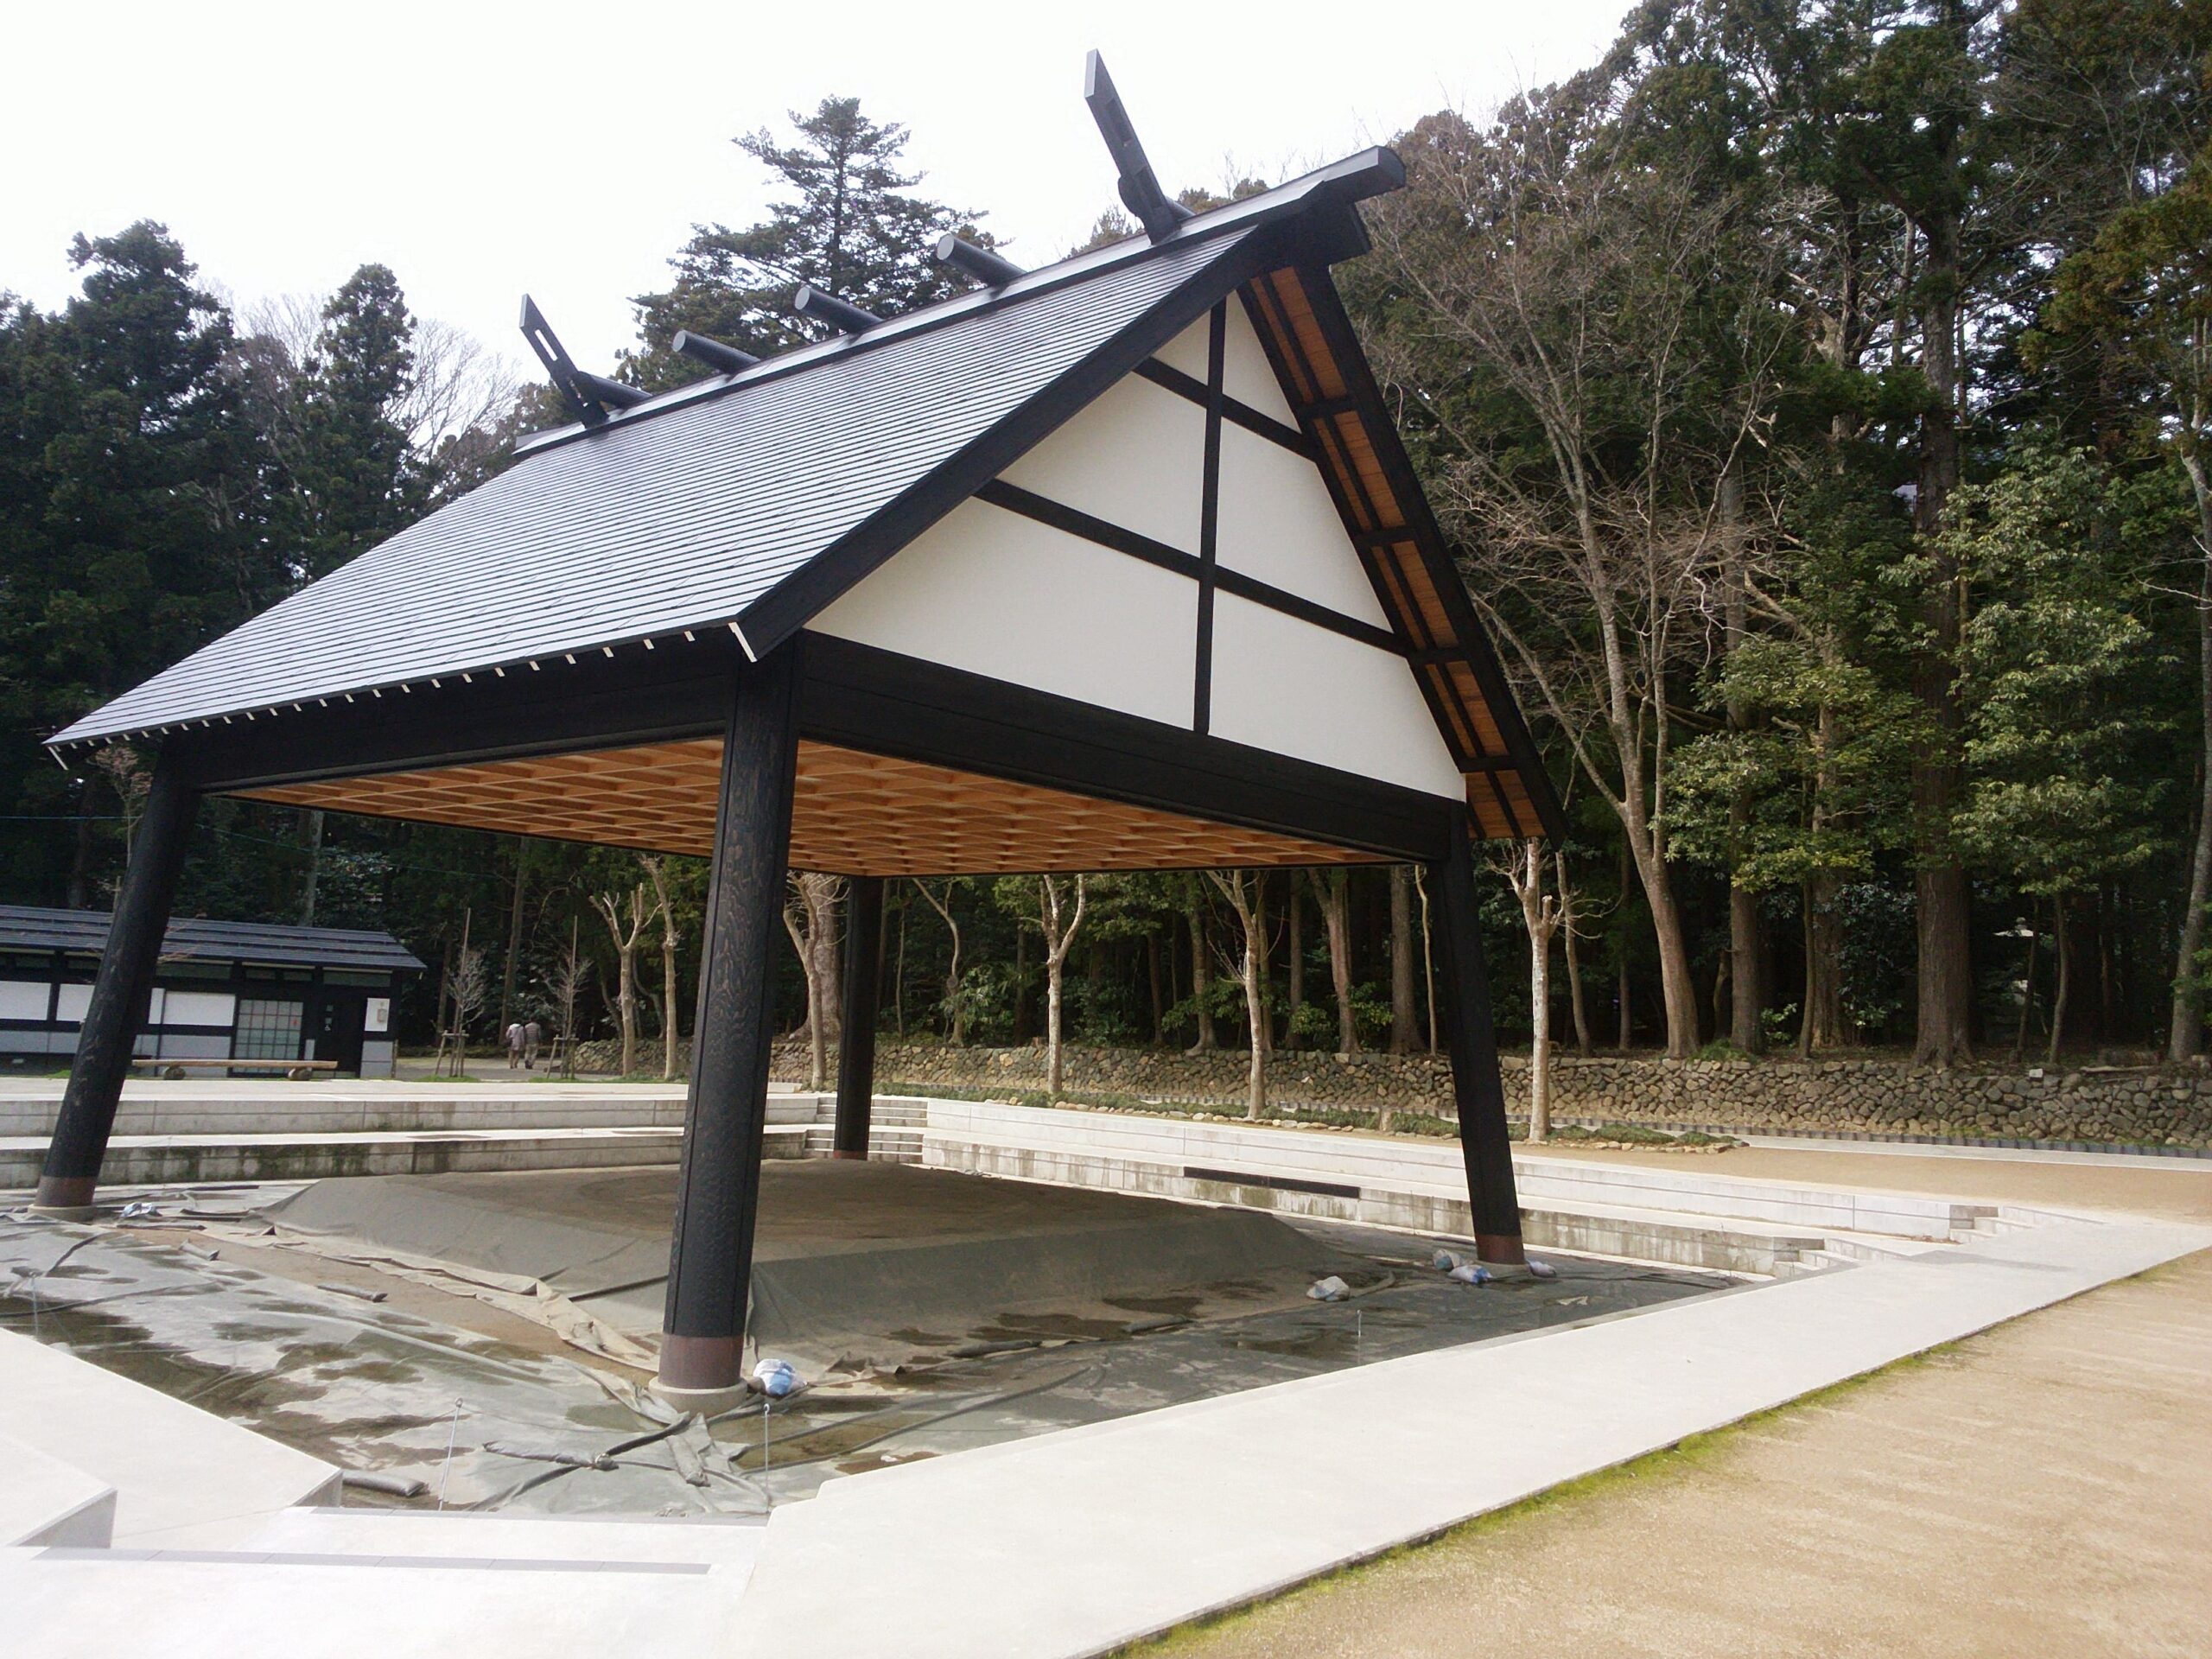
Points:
[[294, 1071]]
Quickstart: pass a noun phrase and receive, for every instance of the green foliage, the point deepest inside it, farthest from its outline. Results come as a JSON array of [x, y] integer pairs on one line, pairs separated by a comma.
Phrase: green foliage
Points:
[[850, 224], [2060, 679]]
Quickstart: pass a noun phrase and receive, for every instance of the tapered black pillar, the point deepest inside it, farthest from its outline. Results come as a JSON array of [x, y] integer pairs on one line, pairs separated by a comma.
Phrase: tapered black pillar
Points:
[[710, 1258], [119, 994], [1476, 1085], [856, 1040]]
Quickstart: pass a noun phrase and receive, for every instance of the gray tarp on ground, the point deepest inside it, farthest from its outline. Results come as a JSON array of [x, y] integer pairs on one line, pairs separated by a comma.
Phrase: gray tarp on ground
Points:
[[868, 1262]]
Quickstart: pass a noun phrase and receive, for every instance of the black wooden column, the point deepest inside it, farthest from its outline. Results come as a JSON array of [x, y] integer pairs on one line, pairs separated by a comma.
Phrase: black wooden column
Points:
[[119, 992], [1476, 1085], [856, 1038], [710, 1258]]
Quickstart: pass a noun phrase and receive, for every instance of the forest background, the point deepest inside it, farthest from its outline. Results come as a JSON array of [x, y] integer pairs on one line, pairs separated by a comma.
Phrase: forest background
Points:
[[1818, 393]]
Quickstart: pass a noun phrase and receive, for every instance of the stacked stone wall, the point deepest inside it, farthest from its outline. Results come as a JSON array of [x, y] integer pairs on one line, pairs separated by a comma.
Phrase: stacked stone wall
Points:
[[2143, 1106]]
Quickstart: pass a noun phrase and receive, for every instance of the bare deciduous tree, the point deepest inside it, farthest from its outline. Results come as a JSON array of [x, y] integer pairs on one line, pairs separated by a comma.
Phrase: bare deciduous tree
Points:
[[1332, 892], [1541, 914], [610, 908], [955, 1005], [1246, 891], [568, 981], [1582, 292], [669, 1023], [810, 918], [1060, 922]]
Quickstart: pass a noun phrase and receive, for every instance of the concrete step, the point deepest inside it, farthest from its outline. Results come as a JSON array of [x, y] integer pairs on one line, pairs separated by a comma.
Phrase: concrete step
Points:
[[140, 1160], [714, 1540]]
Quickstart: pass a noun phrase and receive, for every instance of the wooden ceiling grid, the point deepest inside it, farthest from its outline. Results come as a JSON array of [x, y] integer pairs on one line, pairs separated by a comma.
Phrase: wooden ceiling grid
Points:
[[1497, 797], [852, 813]]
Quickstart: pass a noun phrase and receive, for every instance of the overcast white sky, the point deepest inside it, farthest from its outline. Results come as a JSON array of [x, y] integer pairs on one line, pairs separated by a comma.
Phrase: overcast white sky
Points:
[[483, 150]]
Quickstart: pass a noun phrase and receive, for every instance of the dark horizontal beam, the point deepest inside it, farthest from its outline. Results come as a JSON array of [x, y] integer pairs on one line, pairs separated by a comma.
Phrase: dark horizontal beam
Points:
[[680, 690], [852, 695], [1076, 522], [878, 701], [1170, 378]]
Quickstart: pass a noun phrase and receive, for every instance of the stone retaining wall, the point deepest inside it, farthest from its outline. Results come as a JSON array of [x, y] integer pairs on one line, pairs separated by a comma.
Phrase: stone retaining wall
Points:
[[2140, 1106]]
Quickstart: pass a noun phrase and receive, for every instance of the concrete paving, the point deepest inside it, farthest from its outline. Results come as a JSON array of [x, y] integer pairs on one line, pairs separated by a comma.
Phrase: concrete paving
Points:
[[181, 1476], [2040, 1489], [1194, 1509], [1074, 1542]]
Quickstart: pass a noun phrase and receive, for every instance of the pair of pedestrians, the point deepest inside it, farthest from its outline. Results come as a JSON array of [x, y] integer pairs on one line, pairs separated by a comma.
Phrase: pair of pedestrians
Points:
[[523, 1039]]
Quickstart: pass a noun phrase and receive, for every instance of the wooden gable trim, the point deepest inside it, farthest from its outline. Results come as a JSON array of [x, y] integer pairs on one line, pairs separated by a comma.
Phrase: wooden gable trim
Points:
[[1308, 339]]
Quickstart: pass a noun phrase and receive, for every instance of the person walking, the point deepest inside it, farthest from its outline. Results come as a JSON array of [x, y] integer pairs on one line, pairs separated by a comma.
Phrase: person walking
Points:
[[514, 1045], [532, 1035]]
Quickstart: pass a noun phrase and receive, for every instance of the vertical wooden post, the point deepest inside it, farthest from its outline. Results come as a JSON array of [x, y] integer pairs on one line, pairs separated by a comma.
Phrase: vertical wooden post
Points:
[[1476, 1085], [711, 1255], [856, 1040], [119, 994]]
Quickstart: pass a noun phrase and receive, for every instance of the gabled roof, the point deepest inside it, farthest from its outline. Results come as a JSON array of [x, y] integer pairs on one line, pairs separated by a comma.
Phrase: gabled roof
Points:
[[747, 500], [26, 927]]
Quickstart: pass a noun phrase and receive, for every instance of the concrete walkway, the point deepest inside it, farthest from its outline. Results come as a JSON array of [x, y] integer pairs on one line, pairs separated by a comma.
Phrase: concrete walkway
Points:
[[2045, 1487]]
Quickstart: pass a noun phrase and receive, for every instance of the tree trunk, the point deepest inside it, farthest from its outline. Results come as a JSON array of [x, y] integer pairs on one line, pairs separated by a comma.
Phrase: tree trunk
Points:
[[800, 922], [1540, 916], [2185, 1037], [1332, 892], [1201, 980], [1402, 1040], [2027, 996], [1566, 924], [1020, 987], [2063, 958], [627, 1005], [1944, 920], [1060, 929], [1677, 989], [1052, 974], [1296, 990], [1250, 903], [1152, 978], [514, 935], [1428, 956], [898, 972], [1822, 1024], [1746, 945]]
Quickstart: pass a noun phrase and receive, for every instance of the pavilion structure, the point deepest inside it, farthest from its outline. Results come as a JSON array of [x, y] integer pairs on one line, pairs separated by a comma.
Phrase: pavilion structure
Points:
[[1114, 564]]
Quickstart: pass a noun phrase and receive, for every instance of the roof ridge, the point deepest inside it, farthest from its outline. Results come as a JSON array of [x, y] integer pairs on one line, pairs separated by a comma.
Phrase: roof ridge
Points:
[[1369, 172]]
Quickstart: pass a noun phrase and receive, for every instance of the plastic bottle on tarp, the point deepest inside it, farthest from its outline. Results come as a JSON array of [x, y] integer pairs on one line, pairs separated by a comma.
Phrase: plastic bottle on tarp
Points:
[[1331, 1289], [775, 1378], [1471, 1273]]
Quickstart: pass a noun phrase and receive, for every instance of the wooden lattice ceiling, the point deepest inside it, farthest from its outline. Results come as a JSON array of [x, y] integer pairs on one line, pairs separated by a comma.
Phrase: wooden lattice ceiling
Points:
[[853, 814]]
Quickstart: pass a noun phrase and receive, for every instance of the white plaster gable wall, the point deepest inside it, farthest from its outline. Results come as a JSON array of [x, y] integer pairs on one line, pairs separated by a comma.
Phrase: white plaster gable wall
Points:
[[1278, 522], [1246, 374], [1287, 686], [995, 594], [1136, 458]]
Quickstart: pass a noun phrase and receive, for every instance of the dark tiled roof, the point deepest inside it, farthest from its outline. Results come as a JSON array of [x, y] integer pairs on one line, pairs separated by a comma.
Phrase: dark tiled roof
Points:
[[690, 511], [24, 927]]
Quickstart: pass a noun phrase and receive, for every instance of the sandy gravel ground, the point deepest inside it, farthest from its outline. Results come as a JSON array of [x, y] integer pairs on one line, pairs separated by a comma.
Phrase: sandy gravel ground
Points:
[[2043, 1489]]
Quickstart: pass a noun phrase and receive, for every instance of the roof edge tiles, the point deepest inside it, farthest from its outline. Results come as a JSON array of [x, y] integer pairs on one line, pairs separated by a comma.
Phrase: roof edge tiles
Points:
[[33, 928]]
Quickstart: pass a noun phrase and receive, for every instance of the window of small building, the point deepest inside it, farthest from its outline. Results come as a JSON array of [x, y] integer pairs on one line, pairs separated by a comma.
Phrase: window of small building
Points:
[[271, 972], [194, 968], [354, 976], [267, 1029]]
